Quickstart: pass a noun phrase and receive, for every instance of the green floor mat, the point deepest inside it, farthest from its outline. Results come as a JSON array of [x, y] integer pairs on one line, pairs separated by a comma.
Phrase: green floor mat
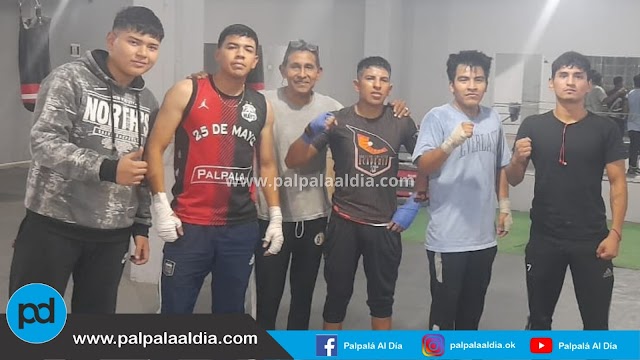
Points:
[[629, 256]]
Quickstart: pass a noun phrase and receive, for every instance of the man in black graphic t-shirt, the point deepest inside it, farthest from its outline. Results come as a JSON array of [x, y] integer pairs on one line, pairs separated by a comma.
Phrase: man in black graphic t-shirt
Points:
[[570, 147], [365, 139]]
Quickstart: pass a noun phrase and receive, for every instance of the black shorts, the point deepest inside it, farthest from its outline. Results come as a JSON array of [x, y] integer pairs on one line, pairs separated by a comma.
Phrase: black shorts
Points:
[[381, 250]]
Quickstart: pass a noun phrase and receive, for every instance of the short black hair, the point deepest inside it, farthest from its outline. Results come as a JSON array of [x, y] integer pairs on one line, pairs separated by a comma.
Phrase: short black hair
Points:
[[596, 77], [238, 30], [618, 80], [470, 58], [139, 19], [636, 81], [301, 45], [571, 59], [372, 61]]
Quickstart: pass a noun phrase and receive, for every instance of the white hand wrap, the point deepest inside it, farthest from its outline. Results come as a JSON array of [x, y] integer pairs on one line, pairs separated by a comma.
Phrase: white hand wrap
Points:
[[505, 208], [273, 235], [165, 221], [454, 140]]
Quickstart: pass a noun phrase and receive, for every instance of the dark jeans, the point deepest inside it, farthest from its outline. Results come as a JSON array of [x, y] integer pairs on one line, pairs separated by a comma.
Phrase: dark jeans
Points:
[[223, 251]]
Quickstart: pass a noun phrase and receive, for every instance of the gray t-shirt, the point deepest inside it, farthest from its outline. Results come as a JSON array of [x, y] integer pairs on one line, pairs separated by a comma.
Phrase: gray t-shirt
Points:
[[462, 195], [634, 110], [303, 195], [593, 101]]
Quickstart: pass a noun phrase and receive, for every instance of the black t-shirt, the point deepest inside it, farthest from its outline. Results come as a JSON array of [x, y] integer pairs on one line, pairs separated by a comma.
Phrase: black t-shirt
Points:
[[567, 198], [365, 153]]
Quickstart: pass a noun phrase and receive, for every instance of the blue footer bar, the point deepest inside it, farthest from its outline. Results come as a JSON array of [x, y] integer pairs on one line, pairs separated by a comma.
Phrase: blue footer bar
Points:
[[398, 344]]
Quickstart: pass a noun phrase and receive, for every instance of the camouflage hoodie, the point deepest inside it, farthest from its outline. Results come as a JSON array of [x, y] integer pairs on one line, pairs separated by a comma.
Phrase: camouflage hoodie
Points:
[[84, 123]]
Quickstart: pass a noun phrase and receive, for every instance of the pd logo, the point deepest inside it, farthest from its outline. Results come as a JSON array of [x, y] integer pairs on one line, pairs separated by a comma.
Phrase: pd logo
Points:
[[433, 345], [36, 313], [326, 345], [541, 345]]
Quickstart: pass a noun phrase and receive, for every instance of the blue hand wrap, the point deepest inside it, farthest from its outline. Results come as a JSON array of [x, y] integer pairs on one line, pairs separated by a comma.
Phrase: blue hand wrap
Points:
[[315, 127], [406, 213]]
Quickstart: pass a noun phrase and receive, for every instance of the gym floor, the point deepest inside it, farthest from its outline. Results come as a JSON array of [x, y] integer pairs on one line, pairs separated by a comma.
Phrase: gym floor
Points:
[[506, 302]]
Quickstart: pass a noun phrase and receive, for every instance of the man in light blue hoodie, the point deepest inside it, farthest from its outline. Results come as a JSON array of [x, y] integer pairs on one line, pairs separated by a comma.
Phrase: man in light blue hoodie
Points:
[[85, 195]]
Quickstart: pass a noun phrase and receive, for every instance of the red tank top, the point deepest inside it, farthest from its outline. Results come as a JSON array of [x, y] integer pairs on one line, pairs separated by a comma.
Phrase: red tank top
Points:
[[214, 156]]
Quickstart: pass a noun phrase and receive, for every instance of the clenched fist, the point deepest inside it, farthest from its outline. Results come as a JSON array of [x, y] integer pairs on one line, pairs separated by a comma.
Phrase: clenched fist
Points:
[[522, 151], [458, 136], [467, 128]]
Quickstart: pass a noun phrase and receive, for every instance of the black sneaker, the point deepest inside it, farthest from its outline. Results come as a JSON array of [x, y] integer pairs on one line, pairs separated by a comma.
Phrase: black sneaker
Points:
[[633, 171]]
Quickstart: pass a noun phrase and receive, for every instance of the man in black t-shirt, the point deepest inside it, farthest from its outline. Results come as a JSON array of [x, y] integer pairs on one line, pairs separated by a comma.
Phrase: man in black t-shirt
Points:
[[570, 148], [365, 140]]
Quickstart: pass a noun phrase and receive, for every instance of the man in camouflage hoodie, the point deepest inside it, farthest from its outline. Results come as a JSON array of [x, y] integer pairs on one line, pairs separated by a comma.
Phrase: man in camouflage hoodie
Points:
[[85, 195]]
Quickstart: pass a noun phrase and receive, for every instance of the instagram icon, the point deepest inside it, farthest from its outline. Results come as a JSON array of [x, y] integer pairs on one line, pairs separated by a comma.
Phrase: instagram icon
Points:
[[433, 345]]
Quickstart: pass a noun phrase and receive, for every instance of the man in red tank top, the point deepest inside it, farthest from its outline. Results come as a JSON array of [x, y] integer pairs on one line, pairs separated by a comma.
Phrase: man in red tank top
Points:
[[220, 127]]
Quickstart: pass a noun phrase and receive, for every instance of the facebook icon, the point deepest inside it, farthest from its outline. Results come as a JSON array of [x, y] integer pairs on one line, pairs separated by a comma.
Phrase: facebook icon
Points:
[[326, 345]]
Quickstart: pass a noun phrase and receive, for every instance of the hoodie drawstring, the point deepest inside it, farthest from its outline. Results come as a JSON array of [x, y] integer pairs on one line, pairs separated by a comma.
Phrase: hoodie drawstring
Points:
[[139, 119]]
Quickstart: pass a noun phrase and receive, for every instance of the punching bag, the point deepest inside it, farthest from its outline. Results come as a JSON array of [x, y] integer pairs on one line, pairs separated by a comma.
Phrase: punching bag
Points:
[[255, 79], [33, 56]]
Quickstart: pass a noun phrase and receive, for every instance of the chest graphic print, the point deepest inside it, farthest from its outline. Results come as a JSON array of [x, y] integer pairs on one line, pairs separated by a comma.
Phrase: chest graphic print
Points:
[[373, 155]]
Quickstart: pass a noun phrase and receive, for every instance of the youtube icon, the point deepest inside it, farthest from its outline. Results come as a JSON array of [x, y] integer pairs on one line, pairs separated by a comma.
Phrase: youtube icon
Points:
[[541, 345]]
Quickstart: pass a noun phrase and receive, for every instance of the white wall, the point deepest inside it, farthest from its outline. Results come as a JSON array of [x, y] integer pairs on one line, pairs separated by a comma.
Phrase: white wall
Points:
[[593, 27], [70, 20], [516, 78], [426, 31], [508, 78], [532, 85], [384, 36]]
